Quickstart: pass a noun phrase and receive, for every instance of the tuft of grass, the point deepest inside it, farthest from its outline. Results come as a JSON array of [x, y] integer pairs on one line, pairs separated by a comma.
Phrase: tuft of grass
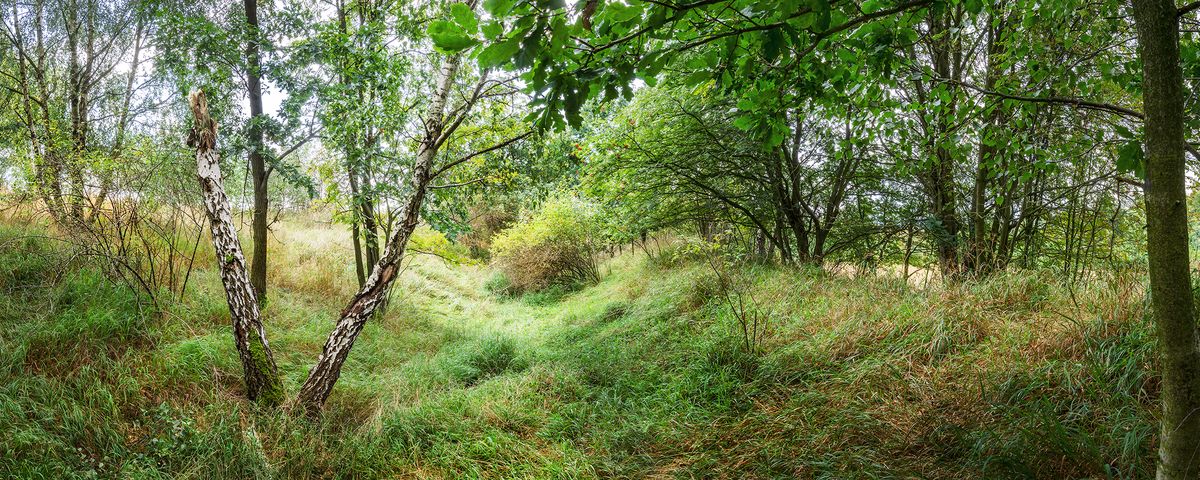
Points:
[[485, 358], [499, 284]]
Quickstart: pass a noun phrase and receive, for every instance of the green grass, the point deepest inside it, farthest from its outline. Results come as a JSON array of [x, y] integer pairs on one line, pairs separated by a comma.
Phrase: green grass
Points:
[[642, 375]]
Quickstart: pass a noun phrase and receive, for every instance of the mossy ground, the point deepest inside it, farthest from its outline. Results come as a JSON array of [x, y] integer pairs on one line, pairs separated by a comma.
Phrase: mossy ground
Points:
[[641, 376]]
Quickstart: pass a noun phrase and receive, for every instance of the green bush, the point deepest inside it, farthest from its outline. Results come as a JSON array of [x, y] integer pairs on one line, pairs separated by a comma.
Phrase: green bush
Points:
[[429, 241], [486, 219], [682, 251], [557, 246]]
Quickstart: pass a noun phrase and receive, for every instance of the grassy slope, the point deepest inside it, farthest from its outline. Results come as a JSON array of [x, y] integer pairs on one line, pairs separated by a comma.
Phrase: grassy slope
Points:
[[639, 376]]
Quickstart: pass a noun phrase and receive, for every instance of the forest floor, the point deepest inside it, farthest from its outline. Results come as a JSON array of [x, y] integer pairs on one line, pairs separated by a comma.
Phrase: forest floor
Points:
[[644, 375]]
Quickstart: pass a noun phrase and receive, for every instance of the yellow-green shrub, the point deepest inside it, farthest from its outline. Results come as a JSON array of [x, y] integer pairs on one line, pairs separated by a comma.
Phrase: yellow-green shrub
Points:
[[427, 240], [556, 246]]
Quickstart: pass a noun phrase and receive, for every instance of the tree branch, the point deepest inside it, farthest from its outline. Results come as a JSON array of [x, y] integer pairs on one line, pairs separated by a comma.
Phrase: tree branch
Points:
[[311, 135], [1189, 8], [492, 148], [1069, 101], [459, 184]]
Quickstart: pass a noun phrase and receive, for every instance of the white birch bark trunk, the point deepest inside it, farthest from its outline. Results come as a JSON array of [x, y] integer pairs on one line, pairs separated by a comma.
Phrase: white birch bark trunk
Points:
[[258, 365], [325, 373]]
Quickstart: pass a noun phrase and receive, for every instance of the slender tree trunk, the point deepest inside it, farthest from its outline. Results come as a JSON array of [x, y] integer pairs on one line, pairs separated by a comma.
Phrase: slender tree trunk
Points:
[[373, 293], [370, 227], [363, 226], [258, 168], [45, 175], [52, 158], [77, 105], [760, 245], [908, 250], [784, 178], [359, 270], [820, 235], [843, 177], [258, 365], [1157, 24], [937, 178], [783, 242], [979, 259]]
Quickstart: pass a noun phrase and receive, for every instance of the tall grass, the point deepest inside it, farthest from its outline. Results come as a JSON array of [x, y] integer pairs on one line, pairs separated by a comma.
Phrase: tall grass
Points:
[[641, 375]]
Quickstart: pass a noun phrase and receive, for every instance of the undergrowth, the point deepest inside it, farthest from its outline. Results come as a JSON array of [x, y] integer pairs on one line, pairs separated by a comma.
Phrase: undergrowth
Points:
[[645, 374]]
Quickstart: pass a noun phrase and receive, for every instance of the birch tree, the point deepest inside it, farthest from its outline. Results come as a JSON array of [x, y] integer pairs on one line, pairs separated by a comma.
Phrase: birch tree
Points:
[[439, 122], [258, 365]]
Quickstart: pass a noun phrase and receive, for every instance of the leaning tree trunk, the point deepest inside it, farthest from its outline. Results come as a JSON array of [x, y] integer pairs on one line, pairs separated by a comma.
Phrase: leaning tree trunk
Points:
[[373, 293], [1167, 238], [258, 366]]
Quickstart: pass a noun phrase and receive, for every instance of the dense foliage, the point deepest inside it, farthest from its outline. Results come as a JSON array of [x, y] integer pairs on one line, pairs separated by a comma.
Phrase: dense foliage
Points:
[[557, 246]]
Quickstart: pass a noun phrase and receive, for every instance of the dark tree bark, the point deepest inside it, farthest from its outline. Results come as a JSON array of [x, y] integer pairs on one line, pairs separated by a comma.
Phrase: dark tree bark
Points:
[[258, 168], [359, 270], [1157, 24], [939, 179], [364, 214], [364, 227], [980, 258], [370, 229], [258, 365]]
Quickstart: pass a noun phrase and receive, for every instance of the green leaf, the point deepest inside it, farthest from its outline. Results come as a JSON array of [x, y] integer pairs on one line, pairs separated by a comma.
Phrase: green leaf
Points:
[[498, 7], [493, 29], [499, 53], [772, 44], [658, 18], [744, 123], [449, 37], [622, 13], [823, 14], [804, 21], [847, 56], [697, 77], [464, 17], [1130, 158]]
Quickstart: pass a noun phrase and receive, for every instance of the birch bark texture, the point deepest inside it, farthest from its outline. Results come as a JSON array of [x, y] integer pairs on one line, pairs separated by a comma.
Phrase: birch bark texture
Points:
[[325, 373], [260, 373]]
